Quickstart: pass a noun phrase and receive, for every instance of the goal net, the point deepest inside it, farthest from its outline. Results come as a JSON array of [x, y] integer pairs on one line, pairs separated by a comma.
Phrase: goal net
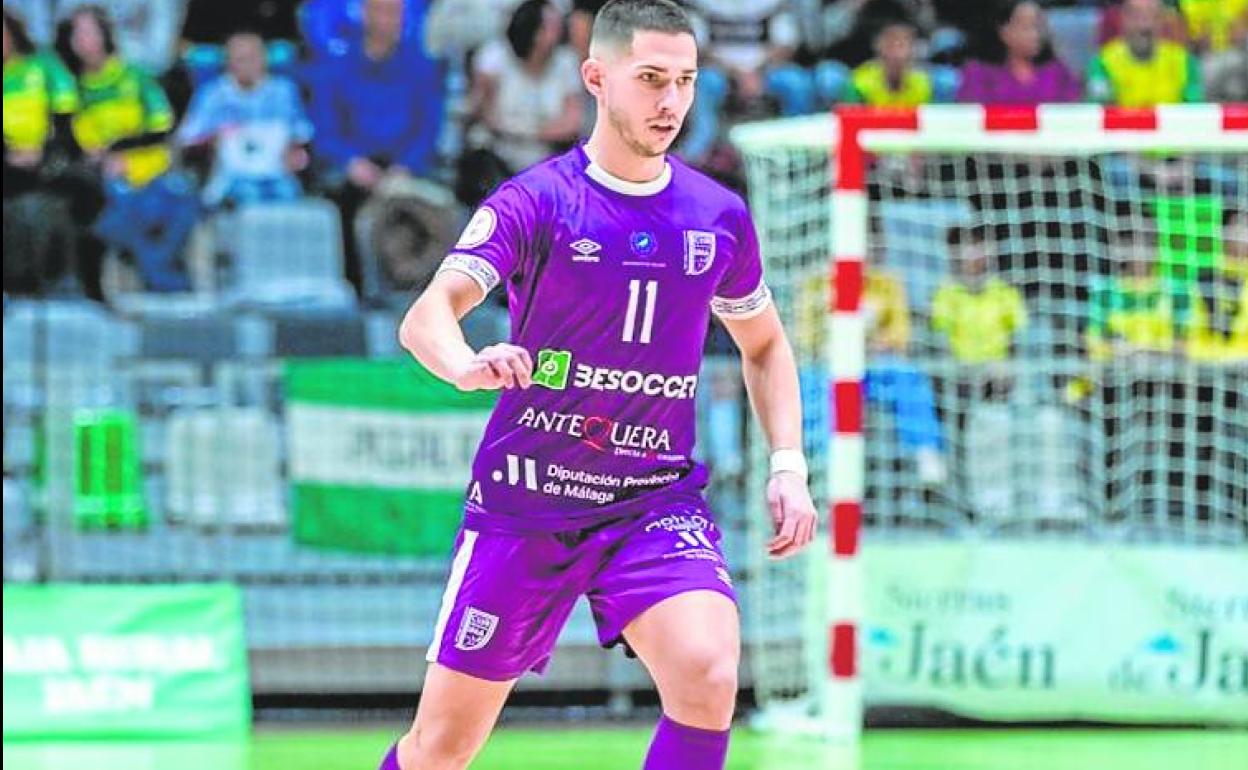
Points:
[[1023, 323]]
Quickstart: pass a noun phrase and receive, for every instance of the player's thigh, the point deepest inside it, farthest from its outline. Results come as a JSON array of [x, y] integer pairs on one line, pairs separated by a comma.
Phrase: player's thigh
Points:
[[457, 711], [691, 644]]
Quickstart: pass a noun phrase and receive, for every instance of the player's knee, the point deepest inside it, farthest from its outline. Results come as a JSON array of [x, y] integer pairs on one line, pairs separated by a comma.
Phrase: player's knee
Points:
[[707, 685], [439, 747]]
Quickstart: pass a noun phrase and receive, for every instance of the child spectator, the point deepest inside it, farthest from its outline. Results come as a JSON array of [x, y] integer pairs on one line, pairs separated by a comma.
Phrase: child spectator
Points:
[[891, 78], [978, 313]]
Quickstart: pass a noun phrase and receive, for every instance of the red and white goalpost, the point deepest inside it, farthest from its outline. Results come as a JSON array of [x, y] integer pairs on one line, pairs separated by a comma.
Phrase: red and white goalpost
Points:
[[804, 620]]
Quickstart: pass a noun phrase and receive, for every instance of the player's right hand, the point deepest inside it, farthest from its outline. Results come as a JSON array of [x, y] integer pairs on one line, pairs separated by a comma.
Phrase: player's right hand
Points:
[[497, 366]]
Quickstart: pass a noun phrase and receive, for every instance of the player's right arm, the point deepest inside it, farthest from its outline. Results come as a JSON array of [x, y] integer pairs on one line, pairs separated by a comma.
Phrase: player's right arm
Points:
[[430, 332]]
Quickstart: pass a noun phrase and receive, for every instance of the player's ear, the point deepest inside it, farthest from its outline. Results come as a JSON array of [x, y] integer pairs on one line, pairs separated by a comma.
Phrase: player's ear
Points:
[[593, 73]]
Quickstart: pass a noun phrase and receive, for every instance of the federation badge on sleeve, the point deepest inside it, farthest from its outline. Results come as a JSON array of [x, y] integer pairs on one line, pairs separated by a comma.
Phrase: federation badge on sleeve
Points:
[[699, 251]]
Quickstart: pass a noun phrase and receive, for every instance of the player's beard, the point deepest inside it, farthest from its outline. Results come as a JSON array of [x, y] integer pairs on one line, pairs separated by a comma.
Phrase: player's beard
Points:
[[646, 150]]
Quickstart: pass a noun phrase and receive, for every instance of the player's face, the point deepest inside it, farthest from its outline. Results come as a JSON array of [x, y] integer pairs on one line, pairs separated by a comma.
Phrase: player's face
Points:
[[647, 91]]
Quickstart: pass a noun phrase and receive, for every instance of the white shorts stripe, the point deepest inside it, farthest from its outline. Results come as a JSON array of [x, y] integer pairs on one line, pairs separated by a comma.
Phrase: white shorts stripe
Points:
[[459, 567]]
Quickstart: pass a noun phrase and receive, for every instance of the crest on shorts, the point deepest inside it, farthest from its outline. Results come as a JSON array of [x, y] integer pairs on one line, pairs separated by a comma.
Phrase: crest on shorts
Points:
[[475, 629], [699, 251]]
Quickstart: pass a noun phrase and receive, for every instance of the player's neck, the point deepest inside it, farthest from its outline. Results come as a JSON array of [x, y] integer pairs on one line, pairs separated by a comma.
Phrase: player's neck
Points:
[[614, 156]]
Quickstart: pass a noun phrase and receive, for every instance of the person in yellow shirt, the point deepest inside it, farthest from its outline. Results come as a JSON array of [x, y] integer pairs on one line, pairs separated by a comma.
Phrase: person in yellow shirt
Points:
[[1218, 328], [122, 124], [1210, 22], [979, 314], [891, 79], [39, 98], [1139, 69]]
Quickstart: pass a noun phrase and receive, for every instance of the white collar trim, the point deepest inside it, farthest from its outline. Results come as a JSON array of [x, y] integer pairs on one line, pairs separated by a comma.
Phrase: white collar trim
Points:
[[625, 187]]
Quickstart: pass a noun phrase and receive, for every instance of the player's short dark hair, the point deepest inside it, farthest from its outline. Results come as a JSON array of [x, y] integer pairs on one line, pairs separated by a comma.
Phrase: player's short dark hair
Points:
[[619, 20]]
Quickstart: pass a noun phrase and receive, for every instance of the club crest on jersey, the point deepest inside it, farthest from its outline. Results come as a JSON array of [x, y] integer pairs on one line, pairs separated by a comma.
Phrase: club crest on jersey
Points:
[[699, 251], [643, 243], [475, 629]]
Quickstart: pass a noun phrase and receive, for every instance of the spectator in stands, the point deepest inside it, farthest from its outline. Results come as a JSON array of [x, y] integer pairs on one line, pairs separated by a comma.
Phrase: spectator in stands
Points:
[[1226, 72], [1110, 25], [331, 27], [377, 109], [891, 79], [256, 124], [749, 58], [977, 312], [1211, 23], [39, 98], [898, 383], [1016, 63], [459, 27], [1140, 69], [1218, 329], [1133, 311], [122, 124], [526, 90]]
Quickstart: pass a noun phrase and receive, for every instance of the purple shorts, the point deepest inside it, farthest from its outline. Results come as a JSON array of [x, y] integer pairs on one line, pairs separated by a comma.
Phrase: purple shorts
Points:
[[509, 594]]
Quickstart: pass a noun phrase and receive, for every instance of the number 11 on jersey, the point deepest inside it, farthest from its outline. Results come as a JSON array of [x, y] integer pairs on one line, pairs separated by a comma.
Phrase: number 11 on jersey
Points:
[[630, 316]]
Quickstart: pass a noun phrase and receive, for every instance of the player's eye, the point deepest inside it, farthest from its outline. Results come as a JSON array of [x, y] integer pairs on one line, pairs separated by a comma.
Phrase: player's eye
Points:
[[649, 77], [685, 80]]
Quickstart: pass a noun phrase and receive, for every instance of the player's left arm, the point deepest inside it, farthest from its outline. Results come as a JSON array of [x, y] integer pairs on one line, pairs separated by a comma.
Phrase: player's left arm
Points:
[[770, 374]]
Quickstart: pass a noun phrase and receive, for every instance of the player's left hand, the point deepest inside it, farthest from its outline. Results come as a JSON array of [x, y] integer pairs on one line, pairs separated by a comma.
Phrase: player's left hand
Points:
[[792, 514]]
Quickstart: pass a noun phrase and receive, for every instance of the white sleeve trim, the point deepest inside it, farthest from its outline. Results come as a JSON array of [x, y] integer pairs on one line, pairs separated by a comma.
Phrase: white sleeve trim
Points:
[[746, 307]]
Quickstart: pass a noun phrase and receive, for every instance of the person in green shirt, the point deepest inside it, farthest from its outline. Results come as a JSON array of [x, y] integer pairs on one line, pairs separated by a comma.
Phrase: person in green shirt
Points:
[[123, 124], [39, 97]]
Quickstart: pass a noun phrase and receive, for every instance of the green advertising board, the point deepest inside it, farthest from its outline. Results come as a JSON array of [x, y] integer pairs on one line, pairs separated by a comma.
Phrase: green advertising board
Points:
[[380, 455], [1055, 631], [124, 661]]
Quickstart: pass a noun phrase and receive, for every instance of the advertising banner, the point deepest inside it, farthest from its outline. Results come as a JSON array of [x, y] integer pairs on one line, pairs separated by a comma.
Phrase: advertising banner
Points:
[[1016, 631], [124, 661]]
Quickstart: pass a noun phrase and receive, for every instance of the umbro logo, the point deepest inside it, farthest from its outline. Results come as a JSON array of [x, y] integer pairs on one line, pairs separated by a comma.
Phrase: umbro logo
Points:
[[586, 250]]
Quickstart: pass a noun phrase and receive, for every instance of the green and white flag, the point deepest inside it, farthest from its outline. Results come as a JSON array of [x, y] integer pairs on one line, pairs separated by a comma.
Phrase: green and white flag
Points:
[[380, 455]]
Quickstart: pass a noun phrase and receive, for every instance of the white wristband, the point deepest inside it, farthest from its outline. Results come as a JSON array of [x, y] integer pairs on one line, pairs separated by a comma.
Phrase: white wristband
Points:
[[791, 460]]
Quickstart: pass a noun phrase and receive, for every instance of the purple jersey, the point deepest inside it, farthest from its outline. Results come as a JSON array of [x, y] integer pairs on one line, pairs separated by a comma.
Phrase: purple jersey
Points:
[[610, 285]]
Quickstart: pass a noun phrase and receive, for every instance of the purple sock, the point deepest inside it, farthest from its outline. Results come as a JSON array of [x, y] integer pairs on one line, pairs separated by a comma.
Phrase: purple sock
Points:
[[678, 747], [391, 762]]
